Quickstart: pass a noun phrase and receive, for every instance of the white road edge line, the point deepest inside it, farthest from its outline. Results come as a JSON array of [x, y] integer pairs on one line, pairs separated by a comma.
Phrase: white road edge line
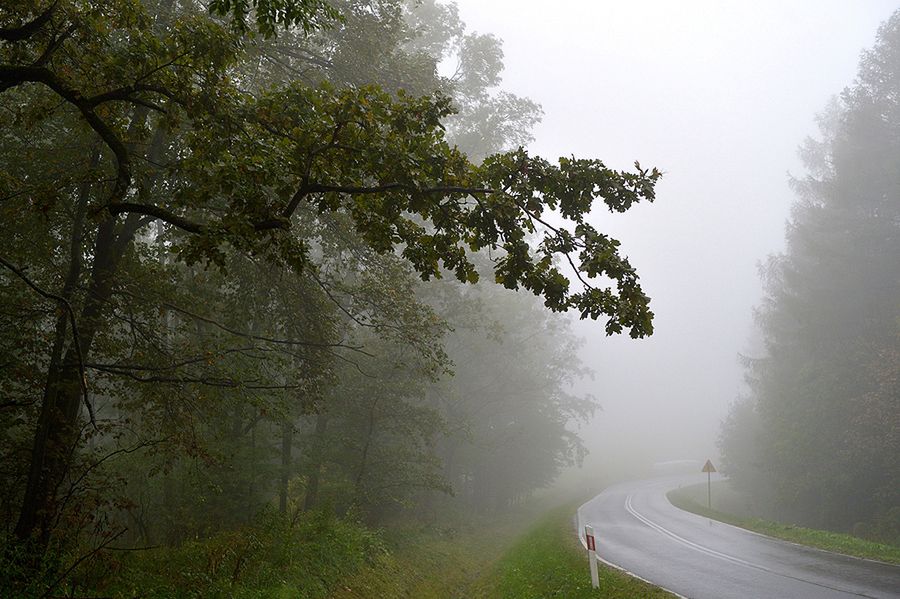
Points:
[[713, 553], [630, 573], [780, 540]]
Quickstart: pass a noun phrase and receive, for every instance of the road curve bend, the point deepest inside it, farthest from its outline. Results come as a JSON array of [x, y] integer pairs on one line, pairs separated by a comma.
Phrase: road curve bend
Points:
[[637, 529]]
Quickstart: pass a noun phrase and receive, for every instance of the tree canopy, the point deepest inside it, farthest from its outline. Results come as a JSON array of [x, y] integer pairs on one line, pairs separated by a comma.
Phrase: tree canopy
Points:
[[215, 227], [241, 165]]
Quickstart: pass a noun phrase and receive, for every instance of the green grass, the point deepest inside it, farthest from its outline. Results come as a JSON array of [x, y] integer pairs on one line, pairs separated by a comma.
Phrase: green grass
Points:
[[273, 558], [432, 563], [442, 561], [693, 499], [528, 554], [548, 561]]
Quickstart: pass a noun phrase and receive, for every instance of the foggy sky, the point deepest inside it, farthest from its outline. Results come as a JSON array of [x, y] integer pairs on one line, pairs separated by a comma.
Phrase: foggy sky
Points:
[[719, 95]]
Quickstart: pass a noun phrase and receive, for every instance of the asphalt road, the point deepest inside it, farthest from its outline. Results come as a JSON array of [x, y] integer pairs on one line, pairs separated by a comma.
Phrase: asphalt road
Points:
[[637, 529]]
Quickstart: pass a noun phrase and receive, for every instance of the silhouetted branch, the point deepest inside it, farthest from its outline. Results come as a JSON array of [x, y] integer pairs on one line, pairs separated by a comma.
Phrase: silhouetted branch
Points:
[[228, 329], [26, 30], [78, 561], [75, 339]]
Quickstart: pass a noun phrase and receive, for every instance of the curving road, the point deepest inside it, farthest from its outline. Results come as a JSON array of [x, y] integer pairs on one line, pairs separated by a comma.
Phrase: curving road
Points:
[[637, 529]]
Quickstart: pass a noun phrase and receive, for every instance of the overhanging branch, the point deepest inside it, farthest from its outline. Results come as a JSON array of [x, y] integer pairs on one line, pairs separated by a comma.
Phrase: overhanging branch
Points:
[[11, 76], [26, 30]]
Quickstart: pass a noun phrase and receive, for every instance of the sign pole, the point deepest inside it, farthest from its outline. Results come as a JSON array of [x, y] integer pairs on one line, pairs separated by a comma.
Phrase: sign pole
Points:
[[709, 469], [592, 555]]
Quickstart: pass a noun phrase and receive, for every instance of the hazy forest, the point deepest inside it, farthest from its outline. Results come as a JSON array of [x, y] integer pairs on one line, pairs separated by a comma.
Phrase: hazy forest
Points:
[[273, 281], [221, 231], [817, 438]]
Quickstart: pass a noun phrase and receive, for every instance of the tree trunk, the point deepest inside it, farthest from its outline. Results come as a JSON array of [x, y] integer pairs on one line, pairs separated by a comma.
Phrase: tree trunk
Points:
[[57, 433], [315, 471], [364, 457], [287, 439]]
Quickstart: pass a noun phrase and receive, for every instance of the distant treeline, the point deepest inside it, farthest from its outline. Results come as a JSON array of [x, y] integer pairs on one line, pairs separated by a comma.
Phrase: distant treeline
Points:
[[817, 441]]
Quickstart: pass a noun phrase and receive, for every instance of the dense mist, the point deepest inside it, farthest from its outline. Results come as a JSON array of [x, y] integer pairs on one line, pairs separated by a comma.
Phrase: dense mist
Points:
[[289, 290], [720, 97]]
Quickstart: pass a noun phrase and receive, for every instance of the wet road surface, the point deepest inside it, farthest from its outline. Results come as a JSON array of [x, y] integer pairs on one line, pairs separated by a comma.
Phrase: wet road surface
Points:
[[637, 529]]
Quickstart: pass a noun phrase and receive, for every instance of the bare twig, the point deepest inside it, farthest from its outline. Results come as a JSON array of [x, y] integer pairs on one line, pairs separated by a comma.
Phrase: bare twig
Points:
[[200, 380], [76, 342], [246, 335], [77, 563]]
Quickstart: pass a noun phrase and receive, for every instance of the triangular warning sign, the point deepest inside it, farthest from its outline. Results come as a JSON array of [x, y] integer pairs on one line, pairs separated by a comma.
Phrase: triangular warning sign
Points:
[[708, 467]]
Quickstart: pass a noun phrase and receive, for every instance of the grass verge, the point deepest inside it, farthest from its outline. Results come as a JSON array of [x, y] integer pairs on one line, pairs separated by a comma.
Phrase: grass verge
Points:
[[433, 563], [548, 561], [529, 552], [272, 558], [686, 498], [527, 555]]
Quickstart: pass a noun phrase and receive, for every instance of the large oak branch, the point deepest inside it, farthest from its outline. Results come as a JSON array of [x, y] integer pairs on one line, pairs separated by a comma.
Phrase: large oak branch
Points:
[[26, 30], [12, 76]]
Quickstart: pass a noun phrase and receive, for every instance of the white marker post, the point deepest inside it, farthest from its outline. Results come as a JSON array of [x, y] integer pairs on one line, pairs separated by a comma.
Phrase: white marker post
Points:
[[592, 555]]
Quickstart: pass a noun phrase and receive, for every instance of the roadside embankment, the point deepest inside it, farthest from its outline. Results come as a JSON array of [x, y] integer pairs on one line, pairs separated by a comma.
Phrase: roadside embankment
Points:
[[529, 555], [731, 508]]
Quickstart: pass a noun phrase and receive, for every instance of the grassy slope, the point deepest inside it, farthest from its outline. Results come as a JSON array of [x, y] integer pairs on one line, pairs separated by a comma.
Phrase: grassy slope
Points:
[[271, 559], [495, 561], [548, 561], [432, 564], [528, 553], [693, 499]]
